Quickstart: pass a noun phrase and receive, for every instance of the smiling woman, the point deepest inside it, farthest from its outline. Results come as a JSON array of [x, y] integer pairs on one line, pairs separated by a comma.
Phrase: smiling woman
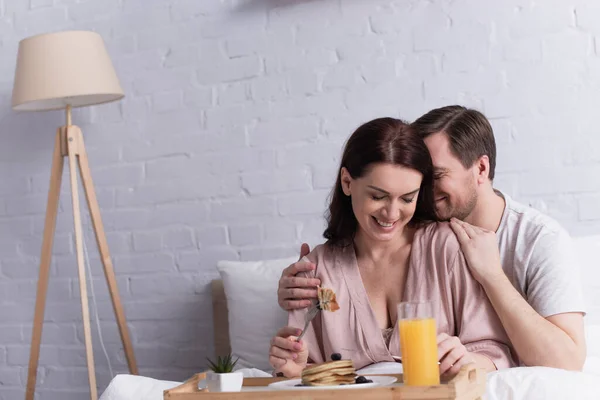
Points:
[[384, 248], [403, 169], [382, 212]]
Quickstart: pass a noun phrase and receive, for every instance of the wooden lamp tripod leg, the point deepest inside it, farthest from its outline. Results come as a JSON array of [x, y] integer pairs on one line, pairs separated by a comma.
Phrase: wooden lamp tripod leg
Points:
[[46, 255], [72, 136], [69, 143], [92, 202]]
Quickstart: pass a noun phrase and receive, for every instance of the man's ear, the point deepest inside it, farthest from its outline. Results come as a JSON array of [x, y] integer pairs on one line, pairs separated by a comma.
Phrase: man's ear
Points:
[[482, 169], [346, 181]]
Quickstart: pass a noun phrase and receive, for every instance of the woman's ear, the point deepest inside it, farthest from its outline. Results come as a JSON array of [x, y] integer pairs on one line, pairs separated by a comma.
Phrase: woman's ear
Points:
[[346, 180]]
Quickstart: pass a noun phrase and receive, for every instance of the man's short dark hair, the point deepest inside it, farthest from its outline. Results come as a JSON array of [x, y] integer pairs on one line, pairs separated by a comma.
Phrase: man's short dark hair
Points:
[[469, 132]]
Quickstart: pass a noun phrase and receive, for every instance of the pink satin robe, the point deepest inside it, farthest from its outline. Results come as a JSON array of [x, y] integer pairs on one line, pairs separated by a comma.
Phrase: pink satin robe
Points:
[[437, 271]]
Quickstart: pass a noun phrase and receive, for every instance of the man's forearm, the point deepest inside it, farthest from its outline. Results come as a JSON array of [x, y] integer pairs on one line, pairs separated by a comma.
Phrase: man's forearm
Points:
[[538, 342]]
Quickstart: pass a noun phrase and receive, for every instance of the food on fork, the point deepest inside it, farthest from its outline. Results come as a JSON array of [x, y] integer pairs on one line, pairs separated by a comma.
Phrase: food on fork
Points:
[[327, 301]]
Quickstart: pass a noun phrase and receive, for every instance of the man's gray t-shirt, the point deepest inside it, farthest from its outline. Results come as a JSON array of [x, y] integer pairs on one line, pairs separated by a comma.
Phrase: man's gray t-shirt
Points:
[[538, 257]]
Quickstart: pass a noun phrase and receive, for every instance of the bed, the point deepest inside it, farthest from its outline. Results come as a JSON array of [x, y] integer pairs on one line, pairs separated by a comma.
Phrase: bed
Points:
[[246, 314]]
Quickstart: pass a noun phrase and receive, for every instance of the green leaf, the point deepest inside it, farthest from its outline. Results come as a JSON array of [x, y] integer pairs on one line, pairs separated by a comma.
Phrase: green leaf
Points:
[[223, 364]]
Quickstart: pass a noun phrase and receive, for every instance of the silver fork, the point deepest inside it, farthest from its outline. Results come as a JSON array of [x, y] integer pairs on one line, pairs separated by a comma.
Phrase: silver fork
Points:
[[309, 317]]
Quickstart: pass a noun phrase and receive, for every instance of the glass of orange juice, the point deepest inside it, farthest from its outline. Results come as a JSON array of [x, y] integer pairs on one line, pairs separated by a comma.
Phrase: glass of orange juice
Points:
[[418, 343]]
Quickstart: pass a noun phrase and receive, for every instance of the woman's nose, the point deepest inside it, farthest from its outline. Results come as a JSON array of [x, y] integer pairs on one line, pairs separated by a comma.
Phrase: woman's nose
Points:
[[392, 211]]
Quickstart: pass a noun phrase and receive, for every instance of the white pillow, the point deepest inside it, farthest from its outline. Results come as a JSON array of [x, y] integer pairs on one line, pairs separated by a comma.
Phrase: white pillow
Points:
[[254, 314]]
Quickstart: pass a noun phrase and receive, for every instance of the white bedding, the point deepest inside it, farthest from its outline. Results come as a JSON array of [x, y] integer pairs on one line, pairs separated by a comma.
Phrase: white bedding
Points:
[[133, 387], [541, 383], [526, 383]]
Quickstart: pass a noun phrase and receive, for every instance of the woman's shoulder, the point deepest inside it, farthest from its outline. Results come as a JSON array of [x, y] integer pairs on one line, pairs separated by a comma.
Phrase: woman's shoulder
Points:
[[324, 253], [438, 236], [317, 252], [437, 245], [327, 258]]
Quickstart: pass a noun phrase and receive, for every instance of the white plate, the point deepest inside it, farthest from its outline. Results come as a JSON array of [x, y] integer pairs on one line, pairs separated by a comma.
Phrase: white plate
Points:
[[291, 384]]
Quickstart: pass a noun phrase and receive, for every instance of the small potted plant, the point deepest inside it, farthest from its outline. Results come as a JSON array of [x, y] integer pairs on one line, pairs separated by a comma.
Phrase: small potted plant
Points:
[[221, 378]]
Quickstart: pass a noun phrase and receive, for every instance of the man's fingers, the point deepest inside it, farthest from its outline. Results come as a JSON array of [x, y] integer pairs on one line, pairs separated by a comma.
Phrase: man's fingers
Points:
[[287, 331], [304, 250], [470, 229], [459, 231], [300, 266], [298, 293], [287, 271], [290, 305], [290, 270], [293, 299], [299, 282]]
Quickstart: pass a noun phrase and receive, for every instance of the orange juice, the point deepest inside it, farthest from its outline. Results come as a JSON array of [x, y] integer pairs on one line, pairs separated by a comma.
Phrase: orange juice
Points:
[[418, 344]]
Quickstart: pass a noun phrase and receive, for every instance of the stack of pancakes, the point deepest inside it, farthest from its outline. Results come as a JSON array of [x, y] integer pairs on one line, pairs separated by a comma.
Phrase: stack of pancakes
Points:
[[340, 372]]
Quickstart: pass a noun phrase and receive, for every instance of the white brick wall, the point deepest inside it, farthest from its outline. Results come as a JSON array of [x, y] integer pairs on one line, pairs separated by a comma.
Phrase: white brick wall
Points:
[[227, 143]]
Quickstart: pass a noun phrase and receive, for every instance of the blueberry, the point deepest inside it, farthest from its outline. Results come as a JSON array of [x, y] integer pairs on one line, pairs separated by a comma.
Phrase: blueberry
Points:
[[361, 379], [336, 356]]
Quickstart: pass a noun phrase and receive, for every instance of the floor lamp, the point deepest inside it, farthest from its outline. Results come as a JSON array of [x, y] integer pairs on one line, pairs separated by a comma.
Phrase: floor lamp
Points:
[[60, 71]]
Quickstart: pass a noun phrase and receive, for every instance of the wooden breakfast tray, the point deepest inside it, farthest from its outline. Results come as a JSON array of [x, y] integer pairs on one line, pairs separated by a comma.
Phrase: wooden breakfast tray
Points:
[[469, 384]]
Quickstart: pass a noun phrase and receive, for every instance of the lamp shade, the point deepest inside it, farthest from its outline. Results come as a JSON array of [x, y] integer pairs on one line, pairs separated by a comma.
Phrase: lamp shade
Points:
[[63, 68]]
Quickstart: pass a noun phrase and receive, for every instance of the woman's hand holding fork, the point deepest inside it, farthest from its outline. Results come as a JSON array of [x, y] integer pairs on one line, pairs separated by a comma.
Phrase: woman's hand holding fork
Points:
[[286, 355]]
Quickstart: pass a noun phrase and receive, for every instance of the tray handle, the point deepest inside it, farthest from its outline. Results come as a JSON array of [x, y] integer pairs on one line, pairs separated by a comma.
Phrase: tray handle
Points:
[[189, 386], [468, 373]]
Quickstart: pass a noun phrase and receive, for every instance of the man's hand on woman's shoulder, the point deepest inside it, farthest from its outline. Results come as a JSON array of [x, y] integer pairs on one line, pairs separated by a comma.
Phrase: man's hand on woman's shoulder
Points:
[[296, 292], [480, 247]]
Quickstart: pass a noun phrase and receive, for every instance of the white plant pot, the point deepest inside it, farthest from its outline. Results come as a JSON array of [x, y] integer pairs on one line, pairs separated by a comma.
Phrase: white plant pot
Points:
[[228, 382]]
